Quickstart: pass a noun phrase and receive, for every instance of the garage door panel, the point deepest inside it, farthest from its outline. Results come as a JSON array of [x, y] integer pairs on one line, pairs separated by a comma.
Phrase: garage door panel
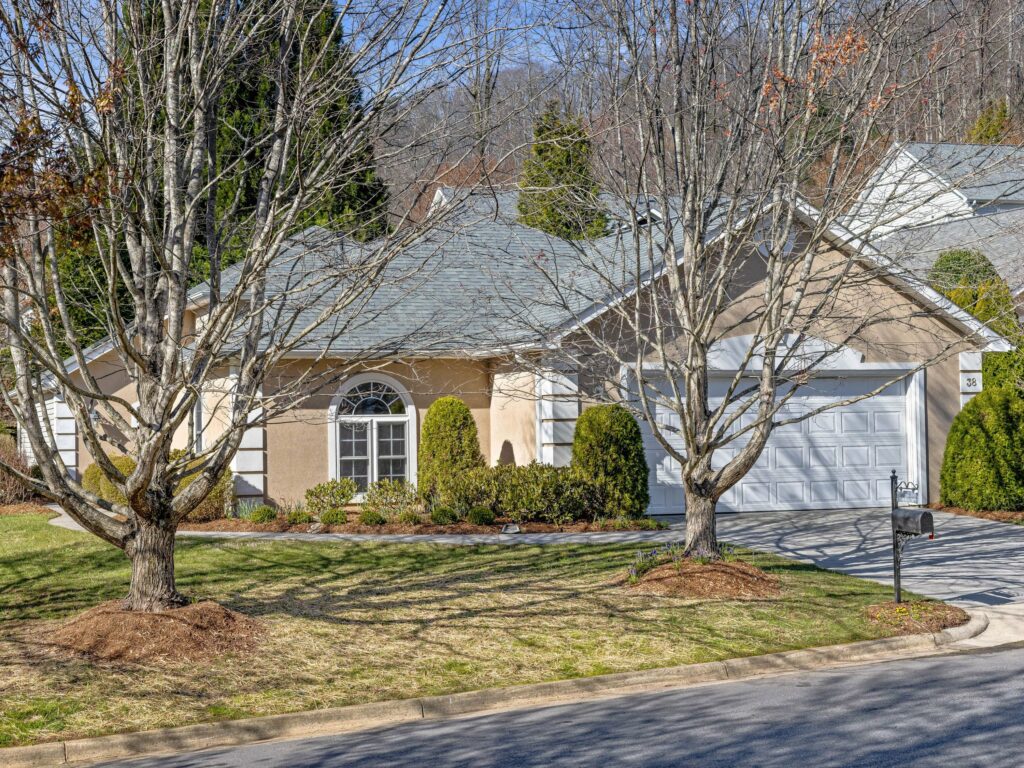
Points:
[[834, 459]]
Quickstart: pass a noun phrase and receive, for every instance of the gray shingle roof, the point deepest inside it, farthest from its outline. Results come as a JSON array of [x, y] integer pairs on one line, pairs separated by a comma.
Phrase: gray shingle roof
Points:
[[1000, 236], [981, 172], [476, 282]]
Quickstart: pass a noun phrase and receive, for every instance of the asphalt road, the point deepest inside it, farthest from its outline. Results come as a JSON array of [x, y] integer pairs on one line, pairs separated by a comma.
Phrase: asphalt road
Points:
[[964, 710]]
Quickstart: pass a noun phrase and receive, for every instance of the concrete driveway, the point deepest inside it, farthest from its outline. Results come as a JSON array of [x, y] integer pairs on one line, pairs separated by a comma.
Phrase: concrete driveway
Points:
[[970, 562], [976, 564]]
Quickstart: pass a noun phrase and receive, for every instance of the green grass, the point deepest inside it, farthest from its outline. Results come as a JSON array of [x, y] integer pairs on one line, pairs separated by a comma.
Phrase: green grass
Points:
[[351, 623]]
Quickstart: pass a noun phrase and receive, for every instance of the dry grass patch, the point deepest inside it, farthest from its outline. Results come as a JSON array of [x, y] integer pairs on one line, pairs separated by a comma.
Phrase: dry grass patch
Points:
[[351, 623], [916, 616]]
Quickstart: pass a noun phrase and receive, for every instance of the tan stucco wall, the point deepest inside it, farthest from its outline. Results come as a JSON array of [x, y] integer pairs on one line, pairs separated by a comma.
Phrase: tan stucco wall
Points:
[[513, 417], [900, 330], [113, 380], [297, 442]]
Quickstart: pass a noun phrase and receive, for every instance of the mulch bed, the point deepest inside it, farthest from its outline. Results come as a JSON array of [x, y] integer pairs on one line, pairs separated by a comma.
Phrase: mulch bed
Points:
[[1000, 516], [281, 526], [26, 508], [194, 632], [721, 580], [916, 617]]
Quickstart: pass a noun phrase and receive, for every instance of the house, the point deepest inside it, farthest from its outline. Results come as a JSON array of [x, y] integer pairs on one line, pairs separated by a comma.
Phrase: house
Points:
[[924, 199], [923, 183], [463, 306]]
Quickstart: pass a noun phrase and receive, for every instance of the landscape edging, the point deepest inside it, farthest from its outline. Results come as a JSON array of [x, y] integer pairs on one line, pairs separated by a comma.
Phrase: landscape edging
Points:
[[325, 721]]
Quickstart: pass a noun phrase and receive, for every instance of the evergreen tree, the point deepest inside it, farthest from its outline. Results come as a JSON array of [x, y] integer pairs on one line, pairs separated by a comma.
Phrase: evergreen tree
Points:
[[357, 203], [993, 124], [558, 193], [969, 280]]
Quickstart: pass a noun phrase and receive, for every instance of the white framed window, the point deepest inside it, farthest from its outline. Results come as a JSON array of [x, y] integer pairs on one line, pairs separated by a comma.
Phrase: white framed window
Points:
[[372, 432]]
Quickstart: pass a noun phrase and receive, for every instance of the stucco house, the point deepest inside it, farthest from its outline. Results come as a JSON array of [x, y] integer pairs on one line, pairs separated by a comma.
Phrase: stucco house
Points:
[[463, 325]]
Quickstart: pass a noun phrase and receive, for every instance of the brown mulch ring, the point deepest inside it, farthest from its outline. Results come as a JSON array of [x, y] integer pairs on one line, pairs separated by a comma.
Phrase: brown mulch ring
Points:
[[26, 508], [916, 616], [721, 580], [1000, 516], [193, 632], [281, 526]]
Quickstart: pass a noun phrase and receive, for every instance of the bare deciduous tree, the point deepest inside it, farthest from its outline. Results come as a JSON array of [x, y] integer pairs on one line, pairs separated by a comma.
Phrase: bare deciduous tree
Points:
[[127, 95], [714, 117]]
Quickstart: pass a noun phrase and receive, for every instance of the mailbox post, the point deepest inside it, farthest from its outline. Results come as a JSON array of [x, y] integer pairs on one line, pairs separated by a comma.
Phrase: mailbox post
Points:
[[906, 525]]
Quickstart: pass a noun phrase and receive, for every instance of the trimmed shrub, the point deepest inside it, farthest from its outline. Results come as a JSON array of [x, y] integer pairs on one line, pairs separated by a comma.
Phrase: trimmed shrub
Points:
[[549, 494], [263, 513], [371, 517], [983, 466], [480, 516], [334, 517], [12, 490], [391, 498], [449, 446], [218, 501], [330, 496], [608, 450], [443, 516], [220, 498], [473, 488]]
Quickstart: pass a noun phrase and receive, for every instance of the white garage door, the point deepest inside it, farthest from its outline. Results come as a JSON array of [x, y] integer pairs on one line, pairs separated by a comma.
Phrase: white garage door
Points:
[[837, 459]]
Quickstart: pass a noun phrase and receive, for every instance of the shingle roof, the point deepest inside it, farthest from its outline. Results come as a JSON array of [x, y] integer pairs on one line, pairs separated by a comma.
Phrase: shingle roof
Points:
[[475, 282], [1000, 236], [981, 172]]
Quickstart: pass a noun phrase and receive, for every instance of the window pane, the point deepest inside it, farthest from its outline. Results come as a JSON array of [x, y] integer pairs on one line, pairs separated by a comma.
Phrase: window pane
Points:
[[354, 453], [391, 459]]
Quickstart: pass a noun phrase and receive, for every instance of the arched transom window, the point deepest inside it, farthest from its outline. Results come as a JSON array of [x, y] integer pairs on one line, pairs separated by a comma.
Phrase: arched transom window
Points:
[[372, 433]]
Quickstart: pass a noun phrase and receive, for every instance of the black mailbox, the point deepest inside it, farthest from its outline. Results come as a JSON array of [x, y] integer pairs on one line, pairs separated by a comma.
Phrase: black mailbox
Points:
[[916, 522]]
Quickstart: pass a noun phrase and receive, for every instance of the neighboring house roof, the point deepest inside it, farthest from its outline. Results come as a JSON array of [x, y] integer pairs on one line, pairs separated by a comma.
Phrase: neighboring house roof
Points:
[[982, 173], [1000, 236]]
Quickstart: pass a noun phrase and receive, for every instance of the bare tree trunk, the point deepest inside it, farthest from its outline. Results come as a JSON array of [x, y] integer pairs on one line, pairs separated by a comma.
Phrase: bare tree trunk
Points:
[[151, 551], [701, 534]]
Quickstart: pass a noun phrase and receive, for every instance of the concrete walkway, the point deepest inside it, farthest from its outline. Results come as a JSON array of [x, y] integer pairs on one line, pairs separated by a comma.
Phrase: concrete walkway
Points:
[[465, 540]]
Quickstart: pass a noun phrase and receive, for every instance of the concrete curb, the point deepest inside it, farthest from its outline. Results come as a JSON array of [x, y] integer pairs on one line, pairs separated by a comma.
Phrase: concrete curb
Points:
[[360, 716]]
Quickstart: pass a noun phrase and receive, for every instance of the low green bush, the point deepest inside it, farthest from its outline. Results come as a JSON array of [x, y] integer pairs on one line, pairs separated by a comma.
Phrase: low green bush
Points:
[[608, 450], [476, 487], [262, 513], [409, 516], [298, 515], [983, 465], [371, 517], [391, 498], [334, 517], [329, 496], [480, 516], [539, 492], [444, 516]]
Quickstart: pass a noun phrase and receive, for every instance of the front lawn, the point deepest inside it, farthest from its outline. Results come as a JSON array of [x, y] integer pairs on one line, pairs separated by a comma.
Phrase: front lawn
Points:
[[351, 623]]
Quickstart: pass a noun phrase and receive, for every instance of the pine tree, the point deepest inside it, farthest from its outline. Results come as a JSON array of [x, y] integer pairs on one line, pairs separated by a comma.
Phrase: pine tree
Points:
[[558, 193], [993, 124], [358, 200]]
